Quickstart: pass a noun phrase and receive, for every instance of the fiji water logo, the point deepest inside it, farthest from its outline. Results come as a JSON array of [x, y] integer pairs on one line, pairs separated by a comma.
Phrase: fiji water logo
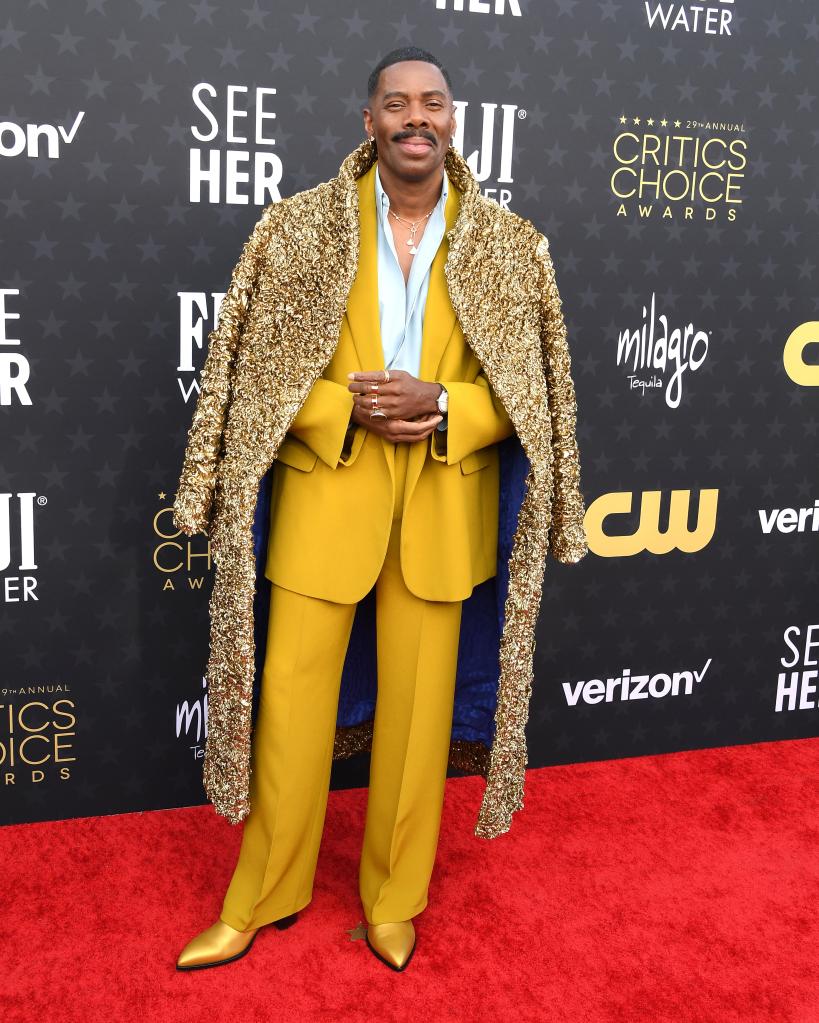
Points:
[[17, 547], [492, 160], [709, 20]]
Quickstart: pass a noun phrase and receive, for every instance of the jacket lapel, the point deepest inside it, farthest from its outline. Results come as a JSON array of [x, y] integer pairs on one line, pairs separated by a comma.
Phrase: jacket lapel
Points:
[[363, 313], [362, 302], [439, 316], [439, 325]]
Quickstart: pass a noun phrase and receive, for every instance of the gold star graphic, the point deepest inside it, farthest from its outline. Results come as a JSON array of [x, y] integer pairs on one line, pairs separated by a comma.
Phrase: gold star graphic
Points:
[[357, 933]]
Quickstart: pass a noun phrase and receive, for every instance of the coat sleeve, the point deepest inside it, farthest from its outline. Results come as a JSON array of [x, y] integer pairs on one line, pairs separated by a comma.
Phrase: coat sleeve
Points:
[[193, 503], [475, 419], [568, 541], [322, 421]]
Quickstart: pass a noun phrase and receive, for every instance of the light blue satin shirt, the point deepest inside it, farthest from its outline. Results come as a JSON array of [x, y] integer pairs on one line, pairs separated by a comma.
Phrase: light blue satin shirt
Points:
[[401, 305]]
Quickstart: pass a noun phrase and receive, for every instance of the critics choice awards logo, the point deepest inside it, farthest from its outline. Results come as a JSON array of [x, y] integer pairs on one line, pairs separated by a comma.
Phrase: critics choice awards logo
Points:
[[670, 168], [181, 561], [37, 732]]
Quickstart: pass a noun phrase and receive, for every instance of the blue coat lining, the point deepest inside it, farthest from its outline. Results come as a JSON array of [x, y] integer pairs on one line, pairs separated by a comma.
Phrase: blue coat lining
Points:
[[482, 619]]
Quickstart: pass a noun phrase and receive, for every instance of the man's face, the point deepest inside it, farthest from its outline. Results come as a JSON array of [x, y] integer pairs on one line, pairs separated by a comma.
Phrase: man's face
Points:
[[411, 117]]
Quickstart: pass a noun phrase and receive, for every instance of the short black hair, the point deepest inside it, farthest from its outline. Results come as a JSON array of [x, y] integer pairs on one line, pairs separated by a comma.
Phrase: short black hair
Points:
[[404, 53]]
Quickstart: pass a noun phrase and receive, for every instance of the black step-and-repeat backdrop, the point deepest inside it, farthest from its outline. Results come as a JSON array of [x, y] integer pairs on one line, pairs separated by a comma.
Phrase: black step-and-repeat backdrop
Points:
[[668, 150]]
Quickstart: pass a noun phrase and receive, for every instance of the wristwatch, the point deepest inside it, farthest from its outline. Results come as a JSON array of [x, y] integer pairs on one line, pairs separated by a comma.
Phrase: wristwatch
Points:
[[443, 401]]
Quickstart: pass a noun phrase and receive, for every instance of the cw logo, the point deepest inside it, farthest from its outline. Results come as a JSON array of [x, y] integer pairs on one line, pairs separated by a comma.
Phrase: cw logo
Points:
[[803, 373], [648, 536]]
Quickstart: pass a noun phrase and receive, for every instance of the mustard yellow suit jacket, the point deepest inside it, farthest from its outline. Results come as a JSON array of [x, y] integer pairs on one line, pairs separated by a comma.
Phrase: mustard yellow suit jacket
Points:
[[331, 511]]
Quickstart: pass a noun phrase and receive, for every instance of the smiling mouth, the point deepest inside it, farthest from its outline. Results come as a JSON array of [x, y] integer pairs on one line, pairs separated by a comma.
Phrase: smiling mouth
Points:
[[415, 144]]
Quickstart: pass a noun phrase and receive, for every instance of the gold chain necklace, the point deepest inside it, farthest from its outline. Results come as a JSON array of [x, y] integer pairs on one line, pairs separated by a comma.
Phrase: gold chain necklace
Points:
[[413, 226]]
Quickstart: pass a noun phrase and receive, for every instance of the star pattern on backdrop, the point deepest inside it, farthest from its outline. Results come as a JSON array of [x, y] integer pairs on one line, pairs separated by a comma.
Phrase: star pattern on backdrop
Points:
[[102, 238]]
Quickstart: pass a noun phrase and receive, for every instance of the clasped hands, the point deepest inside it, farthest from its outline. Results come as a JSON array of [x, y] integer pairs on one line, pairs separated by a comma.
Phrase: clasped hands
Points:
[[410, 404]]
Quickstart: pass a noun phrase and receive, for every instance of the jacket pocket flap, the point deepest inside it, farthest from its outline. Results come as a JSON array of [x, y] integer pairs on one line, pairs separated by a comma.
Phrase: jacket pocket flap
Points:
[[292, 452], [476, 460]]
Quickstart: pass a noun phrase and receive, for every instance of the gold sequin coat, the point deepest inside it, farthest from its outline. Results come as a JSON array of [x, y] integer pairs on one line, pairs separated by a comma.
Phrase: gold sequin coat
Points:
[[277, 329]]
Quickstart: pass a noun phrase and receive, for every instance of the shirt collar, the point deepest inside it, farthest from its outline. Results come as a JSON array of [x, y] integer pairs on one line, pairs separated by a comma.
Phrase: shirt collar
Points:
[[382, 200]]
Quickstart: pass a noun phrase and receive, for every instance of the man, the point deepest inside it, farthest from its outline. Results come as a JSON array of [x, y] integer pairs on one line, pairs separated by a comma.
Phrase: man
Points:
[[383, 453]]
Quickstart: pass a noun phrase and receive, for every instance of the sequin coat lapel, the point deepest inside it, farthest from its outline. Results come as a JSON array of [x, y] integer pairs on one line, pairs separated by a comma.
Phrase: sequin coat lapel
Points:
[[277, 330]]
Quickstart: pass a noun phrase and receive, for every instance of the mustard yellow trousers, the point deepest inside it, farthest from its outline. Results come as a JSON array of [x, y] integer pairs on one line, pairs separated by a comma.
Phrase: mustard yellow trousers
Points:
[[417, 648]]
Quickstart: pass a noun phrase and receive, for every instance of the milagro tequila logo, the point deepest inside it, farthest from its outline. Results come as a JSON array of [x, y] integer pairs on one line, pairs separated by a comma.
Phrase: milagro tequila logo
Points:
[[709, 20], [192, 722], [17, 547], [493, 161], [34, 140], [659, 355], [236, 175], [14, 367]]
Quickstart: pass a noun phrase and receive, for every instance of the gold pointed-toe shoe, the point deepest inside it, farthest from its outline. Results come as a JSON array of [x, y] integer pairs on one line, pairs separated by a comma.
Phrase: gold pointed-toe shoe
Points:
[[392, 943], [219, 944]]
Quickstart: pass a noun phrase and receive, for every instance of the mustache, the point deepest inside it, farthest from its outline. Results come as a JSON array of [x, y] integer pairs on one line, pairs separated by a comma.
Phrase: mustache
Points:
[[411, 134]]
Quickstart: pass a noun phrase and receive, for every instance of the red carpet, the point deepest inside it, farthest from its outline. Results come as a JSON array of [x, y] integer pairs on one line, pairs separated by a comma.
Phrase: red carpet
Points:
[[681, 887]]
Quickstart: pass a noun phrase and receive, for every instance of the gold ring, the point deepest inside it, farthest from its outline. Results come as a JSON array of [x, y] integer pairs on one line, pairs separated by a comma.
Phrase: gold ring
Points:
[[386, 376]]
